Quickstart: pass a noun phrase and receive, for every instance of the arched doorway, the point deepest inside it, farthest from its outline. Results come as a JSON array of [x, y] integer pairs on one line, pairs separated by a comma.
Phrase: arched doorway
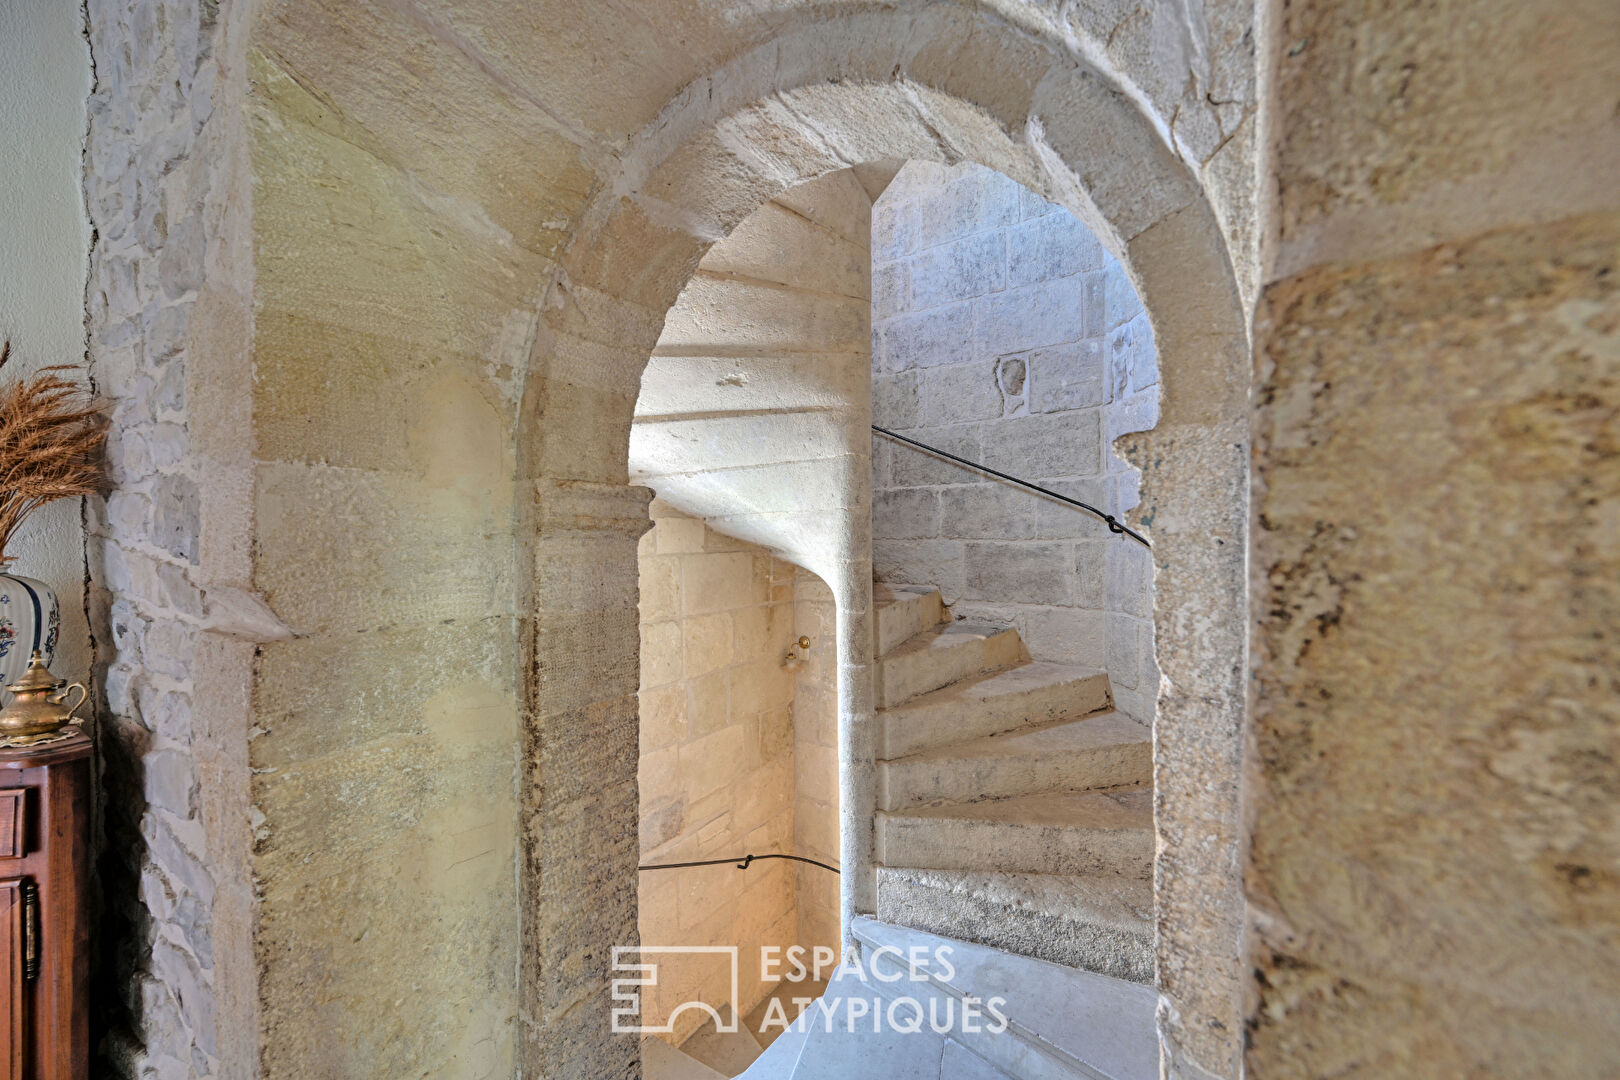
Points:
[[1014, 806], [748, 133], [406, 235]]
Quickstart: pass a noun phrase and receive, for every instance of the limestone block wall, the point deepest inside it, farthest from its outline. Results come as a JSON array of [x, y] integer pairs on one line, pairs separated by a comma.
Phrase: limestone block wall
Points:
[[1004, 332], [717, 764], [383, 761], [1436, 846]]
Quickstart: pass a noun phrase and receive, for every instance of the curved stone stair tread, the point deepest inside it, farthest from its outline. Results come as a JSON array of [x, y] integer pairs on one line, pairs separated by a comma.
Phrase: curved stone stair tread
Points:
[[1030, 694], [885, 593], [1057, 736], [1063, 1022], [1091, 832], [903, 611], [1101, 750], [781, 1059], [944, 654], [836, 1049], [728, 1053], [783, 997], [1100, 923], [661, 1061], [946, 634]]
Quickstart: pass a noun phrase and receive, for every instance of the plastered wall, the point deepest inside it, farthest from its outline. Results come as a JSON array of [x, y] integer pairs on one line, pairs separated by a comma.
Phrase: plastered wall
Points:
[[44, 241], [717, 770], [1005, 334]]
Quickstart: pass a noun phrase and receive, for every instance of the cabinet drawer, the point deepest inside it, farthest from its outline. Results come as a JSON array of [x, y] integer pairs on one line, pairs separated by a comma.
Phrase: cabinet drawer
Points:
[[12, 802]]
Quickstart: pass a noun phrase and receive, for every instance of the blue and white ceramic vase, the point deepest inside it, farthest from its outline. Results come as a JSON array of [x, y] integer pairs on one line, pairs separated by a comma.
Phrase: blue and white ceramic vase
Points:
[[29, 619]]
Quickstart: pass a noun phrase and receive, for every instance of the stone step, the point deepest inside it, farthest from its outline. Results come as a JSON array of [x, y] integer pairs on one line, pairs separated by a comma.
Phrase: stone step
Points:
[[1035, 693], [1102, 924], [1061, 1022], [661, 1061], [903, 612], [942, 655], [728, 1053], [1103, 750], [781, 1058], [764, 1019], [1094, 832], [843, 1042]]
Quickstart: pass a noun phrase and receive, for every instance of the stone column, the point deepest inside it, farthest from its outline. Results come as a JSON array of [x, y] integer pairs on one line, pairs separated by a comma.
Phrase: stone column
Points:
[[578, 803]]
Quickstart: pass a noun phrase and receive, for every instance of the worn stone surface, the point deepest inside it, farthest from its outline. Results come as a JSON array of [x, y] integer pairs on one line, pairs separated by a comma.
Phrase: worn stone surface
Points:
[[1440, 847], [579, 755], [1435, 844], [1108, 833], [1102, 924], [384, 497], [1438, 128], [167, 301]]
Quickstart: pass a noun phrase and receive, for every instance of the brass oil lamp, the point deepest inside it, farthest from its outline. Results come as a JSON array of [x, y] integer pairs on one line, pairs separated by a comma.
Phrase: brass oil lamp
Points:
[[39, 704]]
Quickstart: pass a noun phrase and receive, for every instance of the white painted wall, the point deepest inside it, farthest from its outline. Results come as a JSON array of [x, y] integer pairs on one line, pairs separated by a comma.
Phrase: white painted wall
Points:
[[44, 244]]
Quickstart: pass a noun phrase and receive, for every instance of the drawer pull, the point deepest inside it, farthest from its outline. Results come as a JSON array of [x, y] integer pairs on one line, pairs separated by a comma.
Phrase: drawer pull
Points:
[[30, 898]]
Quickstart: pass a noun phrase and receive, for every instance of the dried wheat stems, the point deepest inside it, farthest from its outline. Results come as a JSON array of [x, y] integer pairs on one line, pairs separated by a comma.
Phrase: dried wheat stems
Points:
[[51, 437]]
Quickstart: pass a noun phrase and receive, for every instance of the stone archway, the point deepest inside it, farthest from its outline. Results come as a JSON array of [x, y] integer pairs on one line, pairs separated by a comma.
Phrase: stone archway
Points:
[[378, 261], [950, 87]]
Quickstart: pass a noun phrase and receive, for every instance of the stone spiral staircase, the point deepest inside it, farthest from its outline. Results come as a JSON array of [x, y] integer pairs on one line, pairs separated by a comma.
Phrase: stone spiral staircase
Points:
[[1014, 815], [1015, 803]]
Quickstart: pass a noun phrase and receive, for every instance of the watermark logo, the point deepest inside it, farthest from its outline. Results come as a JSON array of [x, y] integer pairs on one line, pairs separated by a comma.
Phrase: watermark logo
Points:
[[627, 1014], [885, 988]]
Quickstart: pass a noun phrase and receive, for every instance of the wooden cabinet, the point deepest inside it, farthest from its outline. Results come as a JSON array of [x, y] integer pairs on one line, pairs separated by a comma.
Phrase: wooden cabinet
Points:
[[44, 920]]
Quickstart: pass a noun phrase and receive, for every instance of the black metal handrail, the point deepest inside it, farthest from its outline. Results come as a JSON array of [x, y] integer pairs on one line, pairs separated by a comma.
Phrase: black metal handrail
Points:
[[742, 862], [1114, 525]]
